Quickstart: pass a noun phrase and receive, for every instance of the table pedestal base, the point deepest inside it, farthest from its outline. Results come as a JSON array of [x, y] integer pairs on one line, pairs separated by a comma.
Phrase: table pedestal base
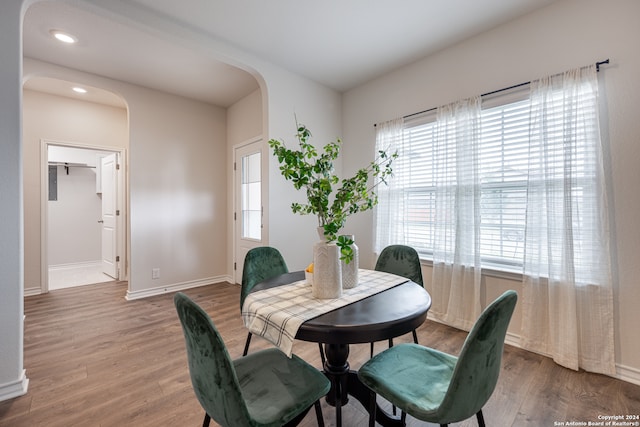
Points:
[[345, 382]]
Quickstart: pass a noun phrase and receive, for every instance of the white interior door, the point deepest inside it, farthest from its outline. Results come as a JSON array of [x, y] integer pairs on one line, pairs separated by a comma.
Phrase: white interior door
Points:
[[248, 202], [109, 214]]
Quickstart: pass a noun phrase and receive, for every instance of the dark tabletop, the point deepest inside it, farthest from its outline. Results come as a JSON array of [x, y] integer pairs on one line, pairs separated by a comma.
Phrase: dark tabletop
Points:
[[385, 315]]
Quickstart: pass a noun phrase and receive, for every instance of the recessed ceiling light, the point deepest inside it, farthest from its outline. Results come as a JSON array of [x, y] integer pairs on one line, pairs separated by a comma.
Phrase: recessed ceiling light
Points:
[[79, 90], [64, 37]]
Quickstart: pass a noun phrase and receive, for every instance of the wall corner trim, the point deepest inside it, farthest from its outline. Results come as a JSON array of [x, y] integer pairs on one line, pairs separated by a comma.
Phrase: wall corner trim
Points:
[[15, 388]]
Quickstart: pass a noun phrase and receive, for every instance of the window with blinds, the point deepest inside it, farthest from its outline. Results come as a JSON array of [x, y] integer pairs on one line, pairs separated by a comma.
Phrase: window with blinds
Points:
[[471, 177], [503, 151]]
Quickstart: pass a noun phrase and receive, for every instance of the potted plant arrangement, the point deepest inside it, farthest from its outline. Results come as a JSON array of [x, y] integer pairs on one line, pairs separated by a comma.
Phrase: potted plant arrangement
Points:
[[331, 199]]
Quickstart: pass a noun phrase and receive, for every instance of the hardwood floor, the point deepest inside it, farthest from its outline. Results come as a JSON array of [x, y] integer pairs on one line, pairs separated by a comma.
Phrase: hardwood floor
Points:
[[95, 359]]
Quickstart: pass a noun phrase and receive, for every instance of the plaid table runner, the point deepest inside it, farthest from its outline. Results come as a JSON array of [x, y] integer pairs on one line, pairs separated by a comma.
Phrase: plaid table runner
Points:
[[277, 313]]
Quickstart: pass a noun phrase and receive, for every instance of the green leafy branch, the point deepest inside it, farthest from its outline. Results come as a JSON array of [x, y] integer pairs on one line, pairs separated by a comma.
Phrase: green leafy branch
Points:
[[312, 171]]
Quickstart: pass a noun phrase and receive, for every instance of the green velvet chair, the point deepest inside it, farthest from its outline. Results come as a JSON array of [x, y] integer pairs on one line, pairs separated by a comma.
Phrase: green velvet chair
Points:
[[260, 264], [402, 261], [437, 387], [265, 388]]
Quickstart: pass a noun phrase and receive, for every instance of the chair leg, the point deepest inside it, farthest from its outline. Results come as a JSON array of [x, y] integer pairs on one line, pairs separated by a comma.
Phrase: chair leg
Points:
[[319, 414], [322, 358], [480, 418], [393, 407], [415, 336], [207, 420], [372, 408], [246, 345], [371, 355]]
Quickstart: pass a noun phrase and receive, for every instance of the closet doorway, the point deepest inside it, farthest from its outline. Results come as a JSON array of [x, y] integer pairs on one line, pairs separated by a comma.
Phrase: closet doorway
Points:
[[83, 209]]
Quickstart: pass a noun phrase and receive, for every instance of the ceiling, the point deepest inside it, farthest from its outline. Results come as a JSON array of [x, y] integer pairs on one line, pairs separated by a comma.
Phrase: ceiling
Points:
[[340, 44]]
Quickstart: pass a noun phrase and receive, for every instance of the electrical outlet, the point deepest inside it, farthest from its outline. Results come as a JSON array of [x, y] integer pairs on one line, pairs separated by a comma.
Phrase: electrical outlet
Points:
[[155, 273]]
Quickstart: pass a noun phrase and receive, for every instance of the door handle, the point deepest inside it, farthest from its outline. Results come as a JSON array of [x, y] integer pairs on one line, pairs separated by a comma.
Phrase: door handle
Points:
[[100, 221]]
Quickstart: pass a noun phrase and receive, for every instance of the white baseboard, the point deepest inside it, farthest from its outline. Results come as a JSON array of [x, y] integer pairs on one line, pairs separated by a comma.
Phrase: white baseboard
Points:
[[145, 293], [628, 374], [14, 388], [74, 265], [514, 340], [29, 292]]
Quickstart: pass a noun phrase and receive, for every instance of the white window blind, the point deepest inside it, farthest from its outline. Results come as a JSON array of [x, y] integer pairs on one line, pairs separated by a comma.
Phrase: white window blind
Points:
[[503, 159], [416, 164]]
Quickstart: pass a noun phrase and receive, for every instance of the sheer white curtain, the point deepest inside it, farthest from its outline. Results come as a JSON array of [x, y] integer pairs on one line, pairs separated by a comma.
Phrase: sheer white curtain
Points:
[[390, 213], [567, 301], [456, 218]]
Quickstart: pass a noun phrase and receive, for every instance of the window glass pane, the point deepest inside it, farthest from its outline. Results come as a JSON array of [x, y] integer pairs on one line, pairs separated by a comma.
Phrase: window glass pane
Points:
[[251, 197]]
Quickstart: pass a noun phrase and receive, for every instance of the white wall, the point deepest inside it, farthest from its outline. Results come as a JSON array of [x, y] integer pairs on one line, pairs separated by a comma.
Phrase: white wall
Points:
[[74, 232], [245, 119], [320, 109], [13, 381], [244, 123], [566, 34], [65, 120], [178, 188]]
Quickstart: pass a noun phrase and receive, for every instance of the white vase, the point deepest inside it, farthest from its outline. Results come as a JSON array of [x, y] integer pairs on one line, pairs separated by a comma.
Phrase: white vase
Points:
[[350, 270], [327, 272]]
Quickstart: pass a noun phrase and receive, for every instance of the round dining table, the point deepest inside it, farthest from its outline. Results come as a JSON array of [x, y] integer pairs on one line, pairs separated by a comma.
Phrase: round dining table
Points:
[[380, 317]]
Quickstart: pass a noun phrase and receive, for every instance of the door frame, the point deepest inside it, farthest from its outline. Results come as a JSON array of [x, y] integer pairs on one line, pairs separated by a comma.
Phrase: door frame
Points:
[[44, 206], [259, 141]]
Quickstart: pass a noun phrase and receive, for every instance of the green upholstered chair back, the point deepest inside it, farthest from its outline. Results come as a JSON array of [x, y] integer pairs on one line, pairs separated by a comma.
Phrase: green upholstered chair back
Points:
[[212, 373], [400, 260], [476, 372], [260, 264]]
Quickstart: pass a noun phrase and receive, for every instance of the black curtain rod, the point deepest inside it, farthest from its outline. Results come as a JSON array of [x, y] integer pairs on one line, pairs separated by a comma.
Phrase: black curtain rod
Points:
[[598, 64]]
